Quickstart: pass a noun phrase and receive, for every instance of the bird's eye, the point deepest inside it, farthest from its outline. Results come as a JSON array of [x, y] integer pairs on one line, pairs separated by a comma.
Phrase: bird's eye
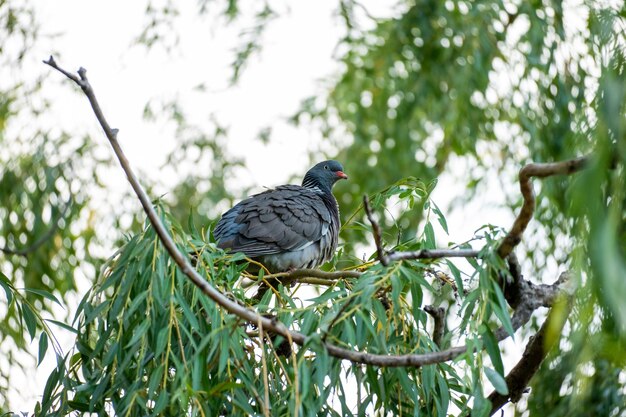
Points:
[[325, 166]]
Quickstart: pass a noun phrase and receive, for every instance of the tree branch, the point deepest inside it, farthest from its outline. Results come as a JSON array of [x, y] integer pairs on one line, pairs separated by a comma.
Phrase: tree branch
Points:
[[439, 319], [414, 360], [380, 252], [386, 258], [536, 351], [538, 170]]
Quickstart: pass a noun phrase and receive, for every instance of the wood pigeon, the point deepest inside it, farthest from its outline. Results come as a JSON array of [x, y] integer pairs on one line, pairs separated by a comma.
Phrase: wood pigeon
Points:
[[288, 227]]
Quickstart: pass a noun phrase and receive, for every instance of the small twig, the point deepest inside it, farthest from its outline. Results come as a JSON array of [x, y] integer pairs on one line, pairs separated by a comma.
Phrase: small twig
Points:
[[376, 231], [49, 233], [514, 237], [439, 318]]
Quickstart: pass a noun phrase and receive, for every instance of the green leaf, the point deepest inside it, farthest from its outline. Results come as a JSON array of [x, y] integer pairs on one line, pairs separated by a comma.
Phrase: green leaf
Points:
[[456, 274], [491, 345], [501, 311], [7, 286], [429, 233], [440, 217], [139, 332], [30, 319], [497, 381], [78, 406], [44, 294], [62, 325], [43, 347]]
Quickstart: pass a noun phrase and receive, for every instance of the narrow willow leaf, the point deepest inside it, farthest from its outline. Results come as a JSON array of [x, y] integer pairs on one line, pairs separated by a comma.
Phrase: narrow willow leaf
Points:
[[96, 396], [444, 395], [440, 217], [44, 294], [30, 319], [456, 274], [162, 340], [501, 310], [161, 402], [491, 345], [43, 347], [496, 380], [189, 315], [62, 325], [429, 233], [139, 332], [6, 286], [156, 377], [78, 406], [329, 294]]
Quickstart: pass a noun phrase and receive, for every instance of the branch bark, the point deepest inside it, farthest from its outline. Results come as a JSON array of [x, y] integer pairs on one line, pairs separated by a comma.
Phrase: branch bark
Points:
[[439, 322], [538, 170], [535, 352]]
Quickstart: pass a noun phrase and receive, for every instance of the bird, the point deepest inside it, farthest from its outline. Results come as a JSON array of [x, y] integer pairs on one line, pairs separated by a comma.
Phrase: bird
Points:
[[288, 227]]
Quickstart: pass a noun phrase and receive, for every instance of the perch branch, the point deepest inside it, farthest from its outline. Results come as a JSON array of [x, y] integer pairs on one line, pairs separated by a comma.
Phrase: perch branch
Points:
[[538, 170], [268, 324]]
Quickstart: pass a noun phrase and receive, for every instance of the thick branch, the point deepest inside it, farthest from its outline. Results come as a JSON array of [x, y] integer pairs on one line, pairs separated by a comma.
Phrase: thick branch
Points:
[[536, 351], [222, 300], [514, 237]]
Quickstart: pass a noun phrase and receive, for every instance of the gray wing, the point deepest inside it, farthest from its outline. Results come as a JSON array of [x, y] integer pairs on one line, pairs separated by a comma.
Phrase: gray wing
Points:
[[287, 218]]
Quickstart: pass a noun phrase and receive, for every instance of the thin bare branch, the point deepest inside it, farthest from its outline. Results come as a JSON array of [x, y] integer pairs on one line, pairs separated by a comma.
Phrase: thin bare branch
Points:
[[514, 237], [376, 231], [231, 306]]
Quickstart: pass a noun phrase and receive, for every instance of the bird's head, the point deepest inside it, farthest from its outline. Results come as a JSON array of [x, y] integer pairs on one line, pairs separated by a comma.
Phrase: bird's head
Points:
[[324, 175]]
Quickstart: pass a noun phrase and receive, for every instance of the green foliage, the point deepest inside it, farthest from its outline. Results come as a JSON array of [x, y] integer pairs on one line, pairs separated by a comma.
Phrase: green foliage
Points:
[[475, 89], [150, 343]]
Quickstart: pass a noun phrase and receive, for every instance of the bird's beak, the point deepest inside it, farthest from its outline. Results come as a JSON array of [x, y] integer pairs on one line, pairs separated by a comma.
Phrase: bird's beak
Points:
[[341, 174]]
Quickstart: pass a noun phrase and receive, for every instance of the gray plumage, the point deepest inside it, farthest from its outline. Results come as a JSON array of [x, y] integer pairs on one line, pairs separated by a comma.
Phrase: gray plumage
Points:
[[288, 227]]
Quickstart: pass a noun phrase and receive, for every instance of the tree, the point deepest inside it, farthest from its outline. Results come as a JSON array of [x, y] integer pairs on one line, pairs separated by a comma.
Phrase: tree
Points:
[[409, 329]]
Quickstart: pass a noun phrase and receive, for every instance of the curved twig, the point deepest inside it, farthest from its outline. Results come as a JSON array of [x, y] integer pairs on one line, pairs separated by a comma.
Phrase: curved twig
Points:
[[538, 170], [414, 360]]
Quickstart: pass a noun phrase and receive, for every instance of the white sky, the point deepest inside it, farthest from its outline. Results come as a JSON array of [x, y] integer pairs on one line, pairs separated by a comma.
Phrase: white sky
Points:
[[296, 61]]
